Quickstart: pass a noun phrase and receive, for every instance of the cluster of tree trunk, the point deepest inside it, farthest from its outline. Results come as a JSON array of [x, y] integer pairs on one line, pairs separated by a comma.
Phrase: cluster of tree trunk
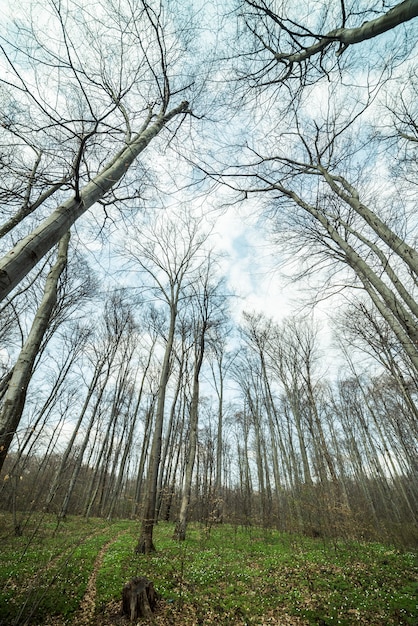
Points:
[[295, 451], [114, 402]]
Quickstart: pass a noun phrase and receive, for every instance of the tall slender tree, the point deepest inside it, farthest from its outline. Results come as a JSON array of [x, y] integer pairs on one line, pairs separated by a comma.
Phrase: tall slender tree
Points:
[[14, 398], [207, 311], [169, 255]]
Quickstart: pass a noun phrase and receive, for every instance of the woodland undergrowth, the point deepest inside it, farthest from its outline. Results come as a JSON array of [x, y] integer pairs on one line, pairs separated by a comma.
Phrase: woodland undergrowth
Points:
[[222, 574]]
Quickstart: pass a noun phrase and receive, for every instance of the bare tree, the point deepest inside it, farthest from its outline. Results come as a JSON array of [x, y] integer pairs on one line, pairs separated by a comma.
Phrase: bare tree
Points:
[[206, 304], [325, 204], [133, 417], [317, 158], [290, 46], [91, 114], [169, 255], [14, 398], [120, 341], [102, 352], [61, 365], [361, 327], [220, 363]]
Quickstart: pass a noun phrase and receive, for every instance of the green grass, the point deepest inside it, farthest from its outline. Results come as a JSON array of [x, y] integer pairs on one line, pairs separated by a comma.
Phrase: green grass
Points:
[[47, 573], [230, 575]]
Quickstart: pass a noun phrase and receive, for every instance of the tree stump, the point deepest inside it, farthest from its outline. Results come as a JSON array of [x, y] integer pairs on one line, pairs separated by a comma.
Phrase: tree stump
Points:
[[138, 598]]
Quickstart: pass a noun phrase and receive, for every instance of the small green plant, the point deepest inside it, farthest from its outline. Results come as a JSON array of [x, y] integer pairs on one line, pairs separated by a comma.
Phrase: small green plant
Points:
[[232, 575]]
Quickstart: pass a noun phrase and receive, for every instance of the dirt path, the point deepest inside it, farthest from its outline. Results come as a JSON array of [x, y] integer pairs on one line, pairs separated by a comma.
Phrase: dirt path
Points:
[[85, 614]]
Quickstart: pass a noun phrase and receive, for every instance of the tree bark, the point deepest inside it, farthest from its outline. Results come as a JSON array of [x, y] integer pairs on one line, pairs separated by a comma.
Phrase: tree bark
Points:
[[145, 543], [139, 598], [399, 14], [14, 399], [180, 531], [25, 255]]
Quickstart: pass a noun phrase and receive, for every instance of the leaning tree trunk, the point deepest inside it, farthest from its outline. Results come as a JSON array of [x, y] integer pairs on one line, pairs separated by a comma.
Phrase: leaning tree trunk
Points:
[[70, 445], [15, 397], [27, 253], [25, 450], [81, 451]]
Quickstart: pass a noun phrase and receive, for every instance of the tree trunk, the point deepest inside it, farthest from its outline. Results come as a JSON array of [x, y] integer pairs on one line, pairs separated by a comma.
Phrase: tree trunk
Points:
[[399, 14], [139, 598], [29, 251], [145, 542], [83, 447], [217, 512], [14, 399], [169, 434], [142, 460], [64, 459], [180, 531]]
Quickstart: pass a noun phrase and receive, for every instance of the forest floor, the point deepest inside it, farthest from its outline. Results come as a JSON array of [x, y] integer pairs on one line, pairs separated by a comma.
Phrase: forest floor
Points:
[[73, 573]]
